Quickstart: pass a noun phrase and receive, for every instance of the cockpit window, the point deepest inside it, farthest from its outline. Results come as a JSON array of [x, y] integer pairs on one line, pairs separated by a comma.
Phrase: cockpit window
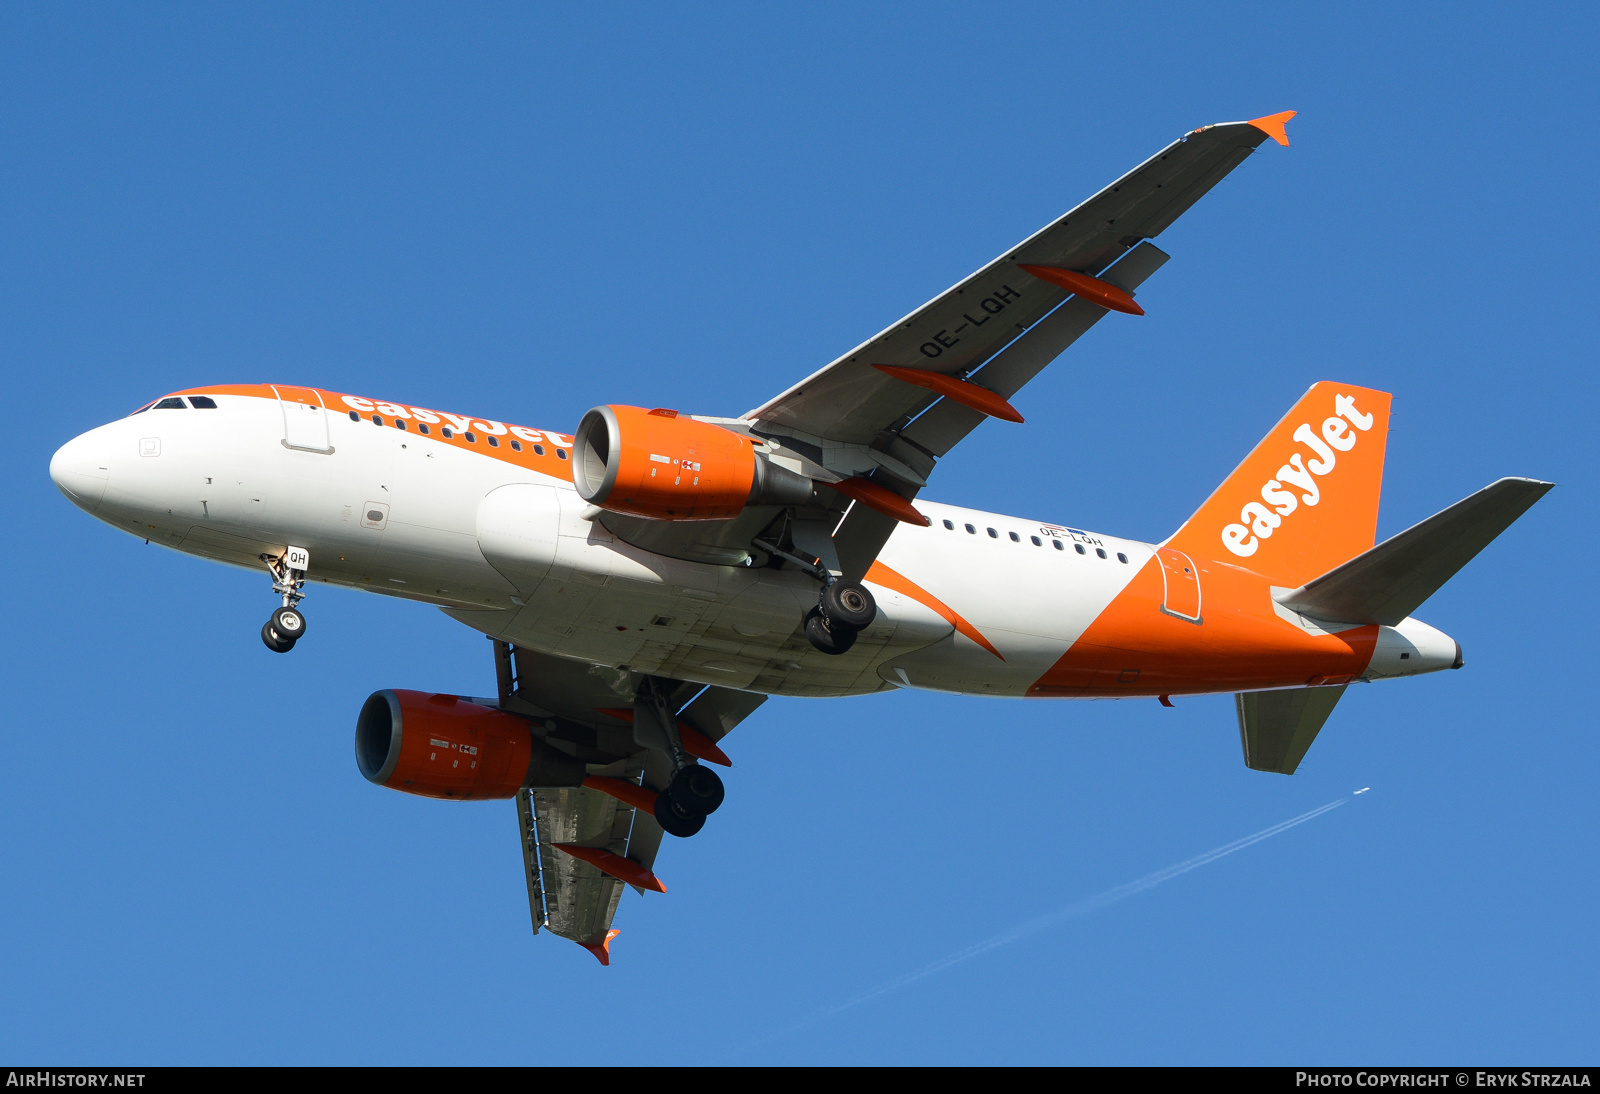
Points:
[[142, 409], [202, 402], [171, 403]]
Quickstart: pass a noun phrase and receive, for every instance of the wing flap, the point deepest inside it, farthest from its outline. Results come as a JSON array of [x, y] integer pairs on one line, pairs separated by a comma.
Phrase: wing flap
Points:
[[580, 900], [947, 422]]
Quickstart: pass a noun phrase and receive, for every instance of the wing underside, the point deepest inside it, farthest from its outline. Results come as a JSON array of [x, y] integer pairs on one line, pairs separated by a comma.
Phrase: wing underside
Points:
[[583, 710]]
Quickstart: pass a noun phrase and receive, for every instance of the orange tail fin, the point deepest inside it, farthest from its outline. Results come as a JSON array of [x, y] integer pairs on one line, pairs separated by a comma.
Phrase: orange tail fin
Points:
[[1307, 498]]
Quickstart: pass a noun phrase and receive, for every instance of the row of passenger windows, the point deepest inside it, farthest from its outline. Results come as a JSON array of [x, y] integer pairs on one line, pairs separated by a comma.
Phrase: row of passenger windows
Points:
[[470, 437], [1035, 540], [173, 402]]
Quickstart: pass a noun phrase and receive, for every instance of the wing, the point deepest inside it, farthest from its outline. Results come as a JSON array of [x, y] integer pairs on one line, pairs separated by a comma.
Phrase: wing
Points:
[[961, 328], [581, 845], [958, 359], [992, 332]]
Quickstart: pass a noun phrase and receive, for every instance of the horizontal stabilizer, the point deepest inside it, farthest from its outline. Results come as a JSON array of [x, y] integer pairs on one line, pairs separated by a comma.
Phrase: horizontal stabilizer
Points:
[[1387, 583], [1276, 727]]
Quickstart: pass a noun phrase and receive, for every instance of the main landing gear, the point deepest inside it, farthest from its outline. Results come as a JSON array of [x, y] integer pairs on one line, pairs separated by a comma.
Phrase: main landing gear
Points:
[[845, 609], [693, 794], [286, 626], [695, 791]]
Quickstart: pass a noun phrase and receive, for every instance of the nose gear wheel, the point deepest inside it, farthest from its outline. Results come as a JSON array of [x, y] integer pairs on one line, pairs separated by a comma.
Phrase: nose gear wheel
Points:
[[287, 625], [275, 641]]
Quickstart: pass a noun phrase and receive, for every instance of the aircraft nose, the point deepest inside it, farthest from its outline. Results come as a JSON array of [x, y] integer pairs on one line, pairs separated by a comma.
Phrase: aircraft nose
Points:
[[81, 468]]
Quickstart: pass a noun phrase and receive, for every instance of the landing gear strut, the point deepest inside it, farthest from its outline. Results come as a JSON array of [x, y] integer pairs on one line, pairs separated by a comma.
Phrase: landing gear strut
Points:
[[844, 609], [694, 791], [287, 626]]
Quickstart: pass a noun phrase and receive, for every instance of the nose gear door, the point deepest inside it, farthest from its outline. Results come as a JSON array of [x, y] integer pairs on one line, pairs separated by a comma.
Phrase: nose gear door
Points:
[[305, 419], [1181, 585]]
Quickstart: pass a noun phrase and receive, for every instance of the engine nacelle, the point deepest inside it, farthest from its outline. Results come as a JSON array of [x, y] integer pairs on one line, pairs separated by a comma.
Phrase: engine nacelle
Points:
[[654, 463], [441, 746]]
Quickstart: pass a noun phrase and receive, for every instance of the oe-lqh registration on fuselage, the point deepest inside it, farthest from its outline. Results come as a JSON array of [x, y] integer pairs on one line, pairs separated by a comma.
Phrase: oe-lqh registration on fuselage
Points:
[[652, 577]]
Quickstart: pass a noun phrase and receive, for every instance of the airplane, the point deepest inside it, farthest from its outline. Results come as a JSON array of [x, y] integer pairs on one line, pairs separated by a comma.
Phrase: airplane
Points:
[[649, 580]]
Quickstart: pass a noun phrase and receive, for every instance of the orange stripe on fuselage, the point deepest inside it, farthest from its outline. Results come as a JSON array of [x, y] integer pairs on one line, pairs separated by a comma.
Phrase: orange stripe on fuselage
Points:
[[880, 574], [1241, 644], [337, 403]]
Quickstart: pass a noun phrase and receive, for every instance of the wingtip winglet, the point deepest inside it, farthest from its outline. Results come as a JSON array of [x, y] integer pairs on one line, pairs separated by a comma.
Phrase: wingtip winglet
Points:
[[1273, 126], [602, 950]]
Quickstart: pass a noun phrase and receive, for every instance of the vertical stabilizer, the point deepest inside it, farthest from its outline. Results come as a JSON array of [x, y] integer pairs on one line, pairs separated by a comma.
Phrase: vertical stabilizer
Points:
[[1307, 498]]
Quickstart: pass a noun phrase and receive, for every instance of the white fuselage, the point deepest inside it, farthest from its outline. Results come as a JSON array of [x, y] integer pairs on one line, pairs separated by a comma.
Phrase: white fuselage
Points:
[[504, 546]]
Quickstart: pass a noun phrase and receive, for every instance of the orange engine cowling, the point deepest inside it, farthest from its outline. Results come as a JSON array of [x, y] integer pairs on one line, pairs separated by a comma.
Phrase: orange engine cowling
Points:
[[442, 746], [654, 463]]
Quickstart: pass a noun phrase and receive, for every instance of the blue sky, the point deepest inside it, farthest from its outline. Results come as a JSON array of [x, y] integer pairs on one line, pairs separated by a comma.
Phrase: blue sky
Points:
[[525, 211]]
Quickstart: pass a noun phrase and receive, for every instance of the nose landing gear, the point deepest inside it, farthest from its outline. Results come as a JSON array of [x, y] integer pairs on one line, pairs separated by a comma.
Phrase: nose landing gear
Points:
[[287, 626]]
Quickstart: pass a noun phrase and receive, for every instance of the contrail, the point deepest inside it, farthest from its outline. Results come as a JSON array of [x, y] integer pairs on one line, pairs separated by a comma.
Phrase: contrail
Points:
[[1048, 920]]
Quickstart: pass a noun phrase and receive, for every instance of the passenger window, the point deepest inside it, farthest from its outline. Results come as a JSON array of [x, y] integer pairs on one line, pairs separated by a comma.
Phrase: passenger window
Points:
[[422, 428], [992, 533], [354, 417], [469, 437], [1015, 538], [376, 420], [444, 431], [202, 402], [1101, 551], [971, 531], [1121, 557], [171, 404], [1036, 542], [538, 450], [493, 443], [516, 446], [561, 453], [398, 424], [1079, 548], [1056, 543], [949, 525]]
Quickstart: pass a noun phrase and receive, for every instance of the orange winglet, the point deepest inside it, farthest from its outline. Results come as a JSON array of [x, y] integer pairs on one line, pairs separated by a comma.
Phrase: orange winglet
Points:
[[624, 791], [695, 743], [1091, 289], [882, 499], [964, 392], [615, 865], [602, 950], [879, 574], [1273, 126]]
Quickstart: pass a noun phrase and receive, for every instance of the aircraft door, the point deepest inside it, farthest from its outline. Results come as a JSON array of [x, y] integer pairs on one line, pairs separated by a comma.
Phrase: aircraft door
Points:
[[1180, 584], [305, 419]]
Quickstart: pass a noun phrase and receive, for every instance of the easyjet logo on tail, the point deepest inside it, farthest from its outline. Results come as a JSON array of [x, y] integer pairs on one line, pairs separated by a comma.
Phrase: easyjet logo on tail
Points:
[[1257, 521]]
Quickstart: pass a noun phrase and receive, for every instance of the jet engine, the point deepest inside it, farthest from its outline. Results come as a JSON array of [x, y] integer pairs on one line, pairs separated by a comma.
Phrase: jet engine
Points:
[[654, 463], [442, 746]]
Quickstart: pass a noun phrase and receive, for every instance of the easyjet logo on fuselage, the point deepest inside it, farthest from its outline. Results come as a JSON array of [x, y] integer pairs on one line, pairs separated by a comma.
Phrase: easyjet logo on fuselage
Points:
[[461, 423], [1258, 521]]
